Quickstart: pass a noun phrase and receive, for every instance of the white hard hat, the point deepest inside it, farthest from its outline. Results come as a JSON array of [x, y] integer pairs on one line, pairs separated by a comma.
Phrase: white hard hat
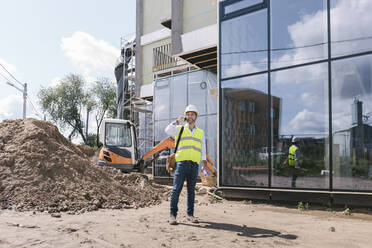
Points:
[[191, 108], [295, 139]]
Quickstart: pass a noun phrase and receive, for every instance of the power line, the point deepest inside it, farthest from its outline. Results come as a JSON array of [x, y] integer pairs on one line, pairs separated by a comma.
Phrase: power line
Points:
[[4, 77], [35, 110], [11, 75]]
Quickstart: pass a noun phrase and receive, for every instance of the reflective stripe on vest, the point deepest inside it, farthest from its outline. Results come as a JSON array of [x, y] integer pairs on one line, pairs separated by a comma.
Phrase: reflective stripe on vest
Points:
[[190, 146], [291, 155]]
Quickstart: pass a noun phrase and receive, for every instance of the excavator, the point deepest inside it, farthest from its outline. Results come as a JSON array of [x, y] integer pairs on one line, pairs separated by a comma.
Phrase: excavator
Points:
[[120, 147]]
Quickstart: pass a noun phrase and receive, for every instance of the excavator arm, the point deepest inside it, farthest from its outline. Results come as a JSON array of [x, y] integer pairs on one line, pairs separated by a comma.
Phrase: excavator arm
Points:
[[165, 144]]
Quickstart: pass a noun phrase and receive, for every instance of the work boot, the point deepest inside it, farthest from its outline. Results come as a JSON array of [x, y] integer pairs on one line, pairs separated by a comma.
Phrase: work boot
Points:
[[192, 219], [172, 220]]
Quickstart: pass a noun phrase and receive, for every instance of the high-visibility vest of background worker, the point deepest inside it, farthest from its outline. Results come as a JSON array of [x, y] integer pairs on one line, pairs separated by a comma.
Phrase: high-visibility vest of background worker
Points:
[[191, 150], [294, 160]]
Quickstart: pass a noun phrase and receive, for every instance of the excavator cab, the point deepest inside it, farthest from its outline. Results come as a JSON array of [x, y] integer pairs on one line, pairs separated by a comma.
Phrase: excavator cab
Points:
[[119, 145]]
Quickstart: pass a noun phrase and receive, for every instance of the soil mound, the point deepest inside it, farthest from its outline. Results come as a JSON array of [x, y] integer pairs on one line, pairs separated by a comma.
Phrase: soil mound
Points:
[[40, 169]]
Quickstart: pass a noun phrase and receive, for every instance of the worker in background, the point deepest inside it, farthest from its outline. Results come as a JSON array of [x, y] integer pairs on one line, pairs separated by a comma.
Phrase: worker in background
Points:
[[191, 150], [293, 160]]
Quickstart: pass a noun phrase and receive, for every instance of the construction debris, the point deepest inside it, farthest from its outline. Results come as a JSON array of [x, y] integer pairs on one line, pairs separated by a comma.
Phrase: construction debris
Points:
[[41, 170]]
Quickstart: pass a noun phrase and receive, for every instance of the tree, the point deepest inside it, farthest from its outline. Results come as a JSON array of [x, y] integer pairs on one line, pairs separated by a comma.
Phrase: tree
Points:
[[104, 93], [64, 104]]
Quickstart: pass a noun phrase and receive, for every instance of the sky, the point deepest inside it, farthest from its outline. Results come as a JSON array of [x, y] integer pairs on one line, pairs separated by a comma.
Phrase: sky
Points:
[[42, 41]]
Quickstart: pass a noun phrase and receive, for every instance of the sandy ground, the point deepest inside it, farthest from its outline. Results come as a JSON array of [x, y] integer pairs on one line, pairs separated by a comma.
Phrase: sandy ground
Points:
[[222, 224]]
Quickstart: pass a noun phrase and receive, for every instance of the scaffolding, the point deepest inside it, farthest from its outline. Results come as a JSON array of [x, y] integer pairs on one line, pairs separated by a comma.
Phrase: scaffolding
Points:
[[131, 107]]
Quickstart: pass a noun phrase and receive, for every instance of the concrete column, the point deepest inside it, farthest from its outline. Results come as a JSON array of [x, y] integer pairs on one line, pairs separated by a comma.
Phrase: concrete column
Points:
[[139, 57], [177, 26]]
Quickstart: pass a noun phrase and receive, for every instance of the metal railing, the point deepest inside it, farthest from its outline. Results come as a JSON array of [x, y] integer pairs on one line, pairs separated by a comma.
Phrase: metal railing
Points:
[[162, 58]]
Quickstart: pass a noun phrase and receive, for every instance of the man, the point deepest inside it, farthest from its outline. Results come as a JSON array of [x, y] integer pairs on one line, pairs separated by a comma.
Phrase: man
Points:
[[191, 150], [293, 160]]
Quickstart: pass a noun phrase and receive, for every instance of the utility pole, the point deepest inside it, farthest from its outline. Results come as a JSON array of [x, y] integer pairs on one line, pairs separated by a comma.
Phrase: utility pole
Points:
[[24, 92]]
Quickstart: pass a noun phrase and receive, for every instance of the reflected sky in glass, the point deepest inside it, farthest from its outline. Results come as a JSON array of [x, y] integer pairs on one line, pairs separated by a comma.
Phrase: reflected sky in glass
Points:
[[240, 5], [351, 81], [304, 100], [351, 30], [244, 44], [298, 32]]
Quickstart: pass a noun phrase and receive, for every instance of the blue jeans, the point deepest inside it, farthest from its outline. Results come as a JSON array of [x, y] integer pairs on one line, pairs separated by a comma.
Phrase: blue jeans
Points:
[[189, 171]]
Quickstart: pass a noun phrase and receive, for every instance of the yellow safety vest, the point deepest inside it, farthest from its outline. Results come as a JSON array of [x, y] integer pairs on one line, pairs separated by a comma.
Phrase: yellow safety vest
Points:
[[190, 145], [291, 155]]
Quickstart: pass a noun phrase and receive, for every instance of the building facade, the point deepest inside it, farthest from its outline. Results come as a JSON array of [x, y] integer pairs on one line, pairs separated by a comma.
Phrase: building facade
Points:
[[176, 65], [311, 63]]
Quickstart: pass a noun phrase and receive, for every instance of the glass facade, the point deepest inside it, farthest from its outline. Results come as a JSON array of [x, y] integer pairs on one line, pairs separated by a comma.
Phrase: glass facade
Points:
[[172, 95], [296, 70], [244, 50]]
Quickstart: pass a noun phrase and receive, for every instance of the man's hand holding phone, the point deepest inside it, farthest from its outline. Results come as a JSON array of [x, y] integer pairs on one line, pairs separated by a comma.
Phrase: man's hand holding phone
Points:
[[181, 119]]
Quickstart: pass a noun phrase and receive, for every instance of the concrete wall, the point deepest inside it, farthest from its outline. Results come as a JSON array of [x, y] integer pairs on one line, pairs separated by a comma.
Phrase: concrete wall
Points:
[[147, 63], [198, 14], [153, 12]]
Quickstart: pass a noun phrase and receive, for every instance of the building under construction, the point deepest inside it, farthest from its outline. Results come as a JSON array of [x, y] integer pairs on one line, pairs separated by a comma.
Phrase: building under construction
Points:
[[285, 69]]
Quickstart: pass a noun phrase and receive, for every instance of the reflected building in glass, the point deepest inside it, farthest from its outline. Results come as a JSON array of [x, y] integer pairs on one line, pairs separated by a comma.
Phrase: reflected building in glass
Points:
[[296, 69]]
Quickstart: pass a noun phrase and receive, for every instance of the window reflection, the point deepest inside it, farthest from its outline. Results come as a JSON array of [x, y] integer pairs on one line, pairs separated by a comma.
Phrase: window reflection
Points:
[[244, 44], [179, 95], [197, 87], [244, 131], [351, 26], [161, 99], [172, 95], [298, 32], [240, 5], [303, 115], [352, 125], [118, 135]]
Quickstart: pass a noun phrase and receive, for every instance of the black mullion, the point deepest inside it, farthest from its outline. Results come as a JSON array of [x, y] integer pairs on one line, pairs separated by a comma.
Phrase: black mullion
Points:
[[270, 133], [330, 138], [277, 69], [219, 165], [242, 11], [351, 55]]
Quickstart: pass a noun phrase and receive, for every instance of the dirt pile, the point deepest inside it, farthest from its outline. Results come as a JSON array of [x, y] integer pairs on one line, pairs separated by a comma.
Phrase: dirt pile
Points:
[[41, 170]]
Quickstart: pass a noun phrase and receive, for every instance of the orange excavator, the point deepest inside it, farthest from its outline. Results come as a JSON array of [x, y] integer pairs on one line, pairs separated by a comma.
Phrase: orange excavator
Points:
[[120, 147]]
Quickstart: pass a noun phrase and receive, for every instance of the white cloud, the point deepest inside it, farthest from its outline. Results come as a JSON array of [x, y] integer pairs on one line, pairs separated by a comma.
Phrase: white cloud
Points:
[[308, 122], [93, 57], [11, 107], [357, 25], [310, 99], [55, 81], [11, 68], [244, 67]]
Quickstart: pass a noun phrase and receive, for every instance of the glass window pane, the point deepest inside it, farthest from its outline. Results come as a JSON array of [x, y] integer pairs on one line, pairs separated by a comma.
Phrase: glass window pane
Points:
[[244, 131], [159, 135], [299, 32], [178, 95], [211, 138], [352, 123], [212, 93], [198, 91], [240, 5], [300, 110], [161, 99], [351, 30], [118, 135], [244, 44], [144, 132]]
